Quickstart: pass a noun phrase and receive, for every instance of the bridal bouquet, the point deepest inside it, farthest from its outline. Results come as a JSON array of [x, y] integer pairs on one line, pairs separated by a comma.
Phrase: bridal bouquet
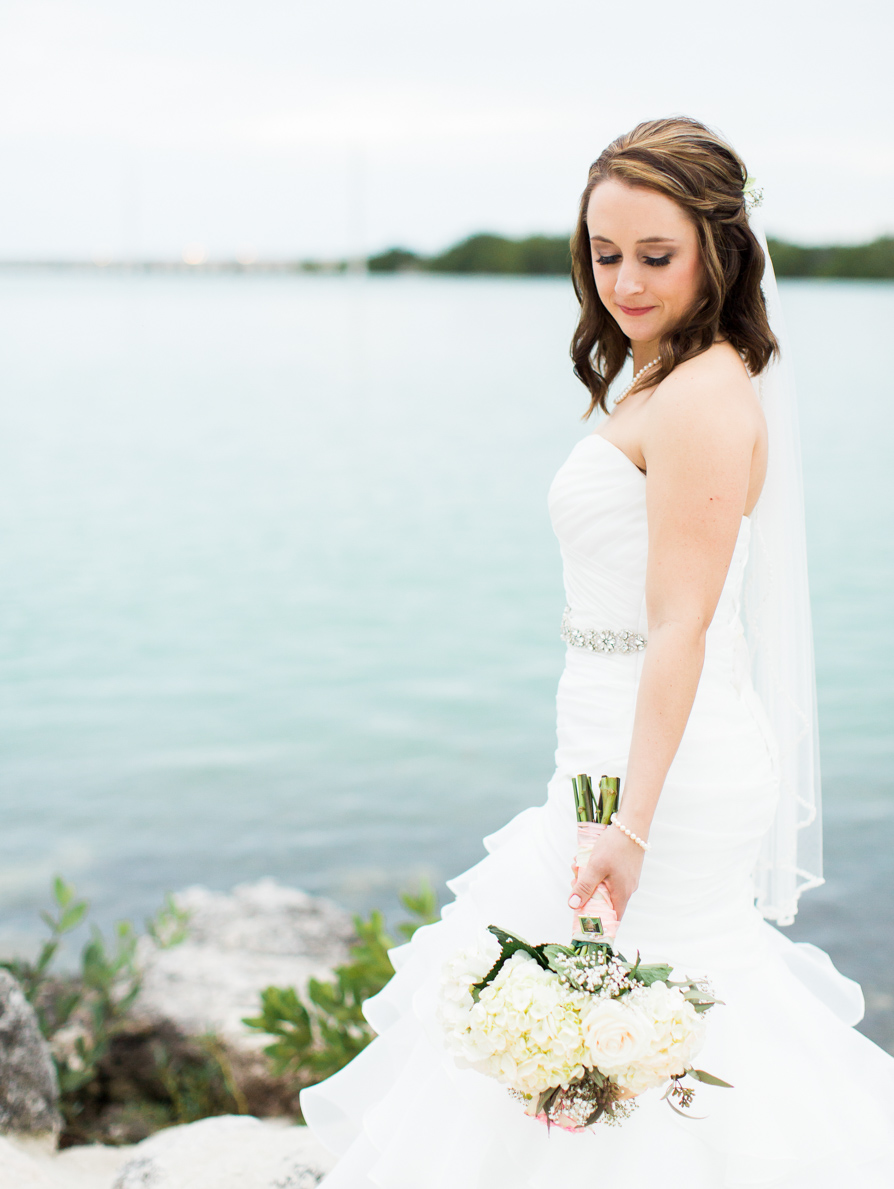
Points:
[[575, 1032]]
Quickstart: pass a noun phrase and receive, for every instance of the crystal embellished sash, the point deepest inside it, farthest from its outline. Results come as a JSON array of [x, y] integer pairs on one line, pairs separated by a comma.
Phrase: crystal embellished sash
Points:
[[602, 640]]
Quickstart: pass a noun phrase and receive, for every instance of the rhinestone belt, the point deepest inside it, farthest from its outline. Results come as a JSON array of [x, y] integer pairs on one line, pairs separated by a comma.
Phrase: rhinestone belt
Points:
[[600, 641]]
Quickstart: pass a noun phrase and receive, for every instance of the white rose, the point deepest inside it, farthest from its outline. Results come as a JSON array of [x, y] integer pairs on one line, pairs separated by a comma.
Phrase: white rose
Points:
[[617, 1033], [679, 1033]]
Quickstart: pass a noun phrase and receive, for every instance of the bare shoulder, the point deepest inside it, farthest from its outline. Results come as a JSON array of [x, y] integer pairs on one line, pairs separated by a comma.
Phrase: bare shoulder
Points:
[[708, 401]]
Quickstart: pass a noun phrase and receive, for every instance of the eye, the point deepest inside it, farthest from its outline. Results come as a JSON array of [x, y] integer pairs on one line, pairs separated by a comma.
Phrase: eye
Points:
[[657, 261], [607, 259]]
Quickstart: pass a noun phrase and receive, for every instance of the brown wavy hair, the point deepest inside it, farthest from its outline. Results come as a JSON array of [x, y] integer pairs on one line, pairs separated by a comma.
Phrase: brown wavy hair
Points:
[[692, 165]]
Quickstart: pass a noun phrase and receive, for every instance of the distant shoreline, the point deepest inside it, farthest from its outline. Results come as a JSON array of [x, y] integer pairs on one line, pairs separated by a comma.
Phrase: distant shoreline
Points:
[[491, 255]]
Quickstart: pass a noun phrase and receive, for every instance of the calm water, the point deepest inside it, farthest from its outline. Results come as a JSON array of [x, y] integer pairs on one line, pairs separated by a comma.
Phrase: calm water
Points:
[[279, 593]]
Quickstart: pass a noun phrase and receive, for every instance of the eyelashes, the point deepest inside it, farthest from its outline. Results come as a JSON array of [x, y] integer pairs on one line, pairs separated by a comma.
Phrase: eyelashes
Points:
[[652, 261]]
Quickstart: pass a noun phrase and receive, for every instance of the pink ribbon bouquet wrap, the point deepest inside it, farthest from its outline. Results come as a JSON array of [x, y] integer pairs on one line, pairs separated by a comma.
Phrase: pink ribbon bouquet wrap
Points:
[[597, 917]]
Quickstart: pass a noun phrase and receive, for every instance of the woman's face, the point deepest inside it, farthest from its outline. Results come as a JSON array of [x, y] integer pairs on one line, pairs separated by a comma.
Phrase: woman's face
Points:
[[646, 260]]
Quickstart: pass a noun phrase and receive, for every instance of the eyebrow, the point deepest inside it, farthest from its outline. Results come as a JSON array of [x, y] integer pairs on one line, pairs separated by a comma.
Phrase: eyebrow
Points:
[[649, 239]]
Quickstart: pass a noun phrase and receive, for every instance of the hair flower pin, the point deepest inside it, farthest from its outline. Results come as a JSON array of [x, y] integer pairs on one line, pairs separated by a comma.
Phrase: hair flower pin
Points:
[[753, 194]]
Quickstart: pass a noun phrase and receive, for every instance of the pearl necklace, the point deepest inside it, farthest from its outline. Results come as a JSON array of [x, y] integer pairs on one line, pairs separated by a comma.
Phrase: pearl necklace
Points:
[[642, 371]]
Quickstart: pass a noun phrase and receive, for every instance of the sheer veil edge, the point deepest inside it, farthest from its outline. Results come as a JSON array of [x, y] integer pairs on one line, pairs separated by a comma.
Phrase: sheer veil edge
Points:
[[778, 625]]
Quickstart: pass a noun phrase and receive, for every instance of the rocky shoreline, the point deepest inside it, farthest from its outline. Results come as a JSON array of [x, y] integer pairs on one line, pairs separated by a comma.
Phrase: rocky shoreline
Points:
[[237, 944], [222, 1152]]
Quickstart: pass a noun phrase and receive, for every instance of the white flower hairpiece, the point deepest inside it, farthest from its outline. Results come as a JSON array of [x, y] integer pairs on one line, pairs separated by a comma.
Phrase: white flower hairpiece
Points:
[[753, 194]]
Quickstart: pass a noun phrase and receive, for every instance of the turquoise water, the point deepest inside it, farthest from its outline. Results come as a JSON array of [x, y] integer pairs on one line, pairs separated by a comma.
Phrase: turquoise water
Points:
[[279, 593]]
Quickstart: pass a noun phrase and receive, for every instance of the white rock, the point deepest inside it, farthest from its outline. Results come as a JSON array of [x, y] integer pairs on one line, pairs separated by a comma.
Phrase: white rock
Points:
[[258, 935], [29, 1166], [229, 1152], [20, 1170], [88, 1166]]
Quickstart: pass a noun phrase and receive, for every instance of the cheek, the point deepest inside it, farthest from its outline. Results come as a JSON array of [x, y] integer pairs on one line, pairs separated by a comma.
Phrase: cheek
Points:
[[604, 283], [694, 281], [682, 288]]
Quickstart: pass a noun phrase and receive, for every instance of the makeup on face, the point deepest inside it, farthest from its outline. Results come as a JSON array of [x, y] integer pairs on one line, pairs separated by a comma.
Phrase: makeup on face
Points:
[[646, 259]]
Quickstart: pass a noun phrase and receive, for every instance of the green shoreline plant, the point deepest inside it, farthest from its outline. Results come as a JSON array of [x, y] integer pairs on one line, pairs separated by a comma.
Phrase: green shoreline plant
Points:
[[122, 1079], [316, 1038], [118, 1080]]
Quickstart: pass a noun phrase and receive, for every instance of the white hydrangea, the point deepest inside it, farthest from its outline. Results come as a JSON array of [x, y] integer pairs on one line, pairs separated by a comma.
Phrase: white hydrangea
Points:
[[532, 1033], [458, 975], [679, 1032], [525, 1029]]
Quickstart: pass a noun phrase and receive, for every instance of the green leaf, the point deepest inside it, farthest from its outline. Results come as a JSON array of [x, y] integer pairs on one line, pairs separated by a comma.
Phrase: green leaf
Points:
[[552, 952], [602, 943], [423, 905], [72, 916], [512, 944], [63, 893], [509, 945], [64, 1006], [708, 1078], [656, 973], [170, 925], [47, 954]]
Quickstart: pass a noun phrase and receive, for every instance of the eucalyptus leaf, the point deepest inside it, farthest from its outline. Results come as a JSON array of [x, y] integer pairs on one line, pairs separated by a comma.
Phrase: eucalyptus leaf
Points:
[[708, 1078], [552, 951], [694, 992], [652, 974]]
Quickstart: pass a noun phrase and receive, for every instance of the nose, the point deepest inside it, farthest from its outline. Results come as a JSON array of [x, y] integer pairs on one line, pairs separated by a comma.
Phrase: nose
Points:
[[628, 281]]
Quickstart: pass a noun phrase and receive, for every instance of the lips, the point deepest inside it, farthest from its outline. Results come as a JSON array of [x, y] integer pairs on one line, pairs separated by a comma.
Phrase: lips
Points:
[[635, 311]]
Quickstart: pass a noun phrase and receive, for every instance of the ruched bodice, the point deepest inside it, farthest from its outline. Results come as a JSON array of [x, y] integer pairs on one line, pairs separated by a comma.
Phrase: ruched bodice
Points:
[[597, 503]]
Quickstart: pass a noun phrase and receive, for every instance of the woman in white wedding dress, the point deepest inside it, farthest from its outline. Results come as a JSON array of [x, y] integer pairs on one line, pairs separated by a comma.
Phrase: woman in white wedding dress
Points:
[[656, 514]]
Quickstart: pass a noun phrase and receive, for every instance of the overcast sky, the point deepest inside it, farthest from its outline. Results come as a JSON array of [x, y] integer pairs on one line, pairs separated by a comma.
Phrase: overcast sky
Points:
[[334, 128]]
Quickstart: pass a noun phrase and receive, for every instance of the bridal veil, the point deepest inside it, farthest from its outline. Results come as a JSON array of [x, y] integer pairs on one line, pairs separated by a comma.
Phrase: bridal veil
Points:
[[780, 635]]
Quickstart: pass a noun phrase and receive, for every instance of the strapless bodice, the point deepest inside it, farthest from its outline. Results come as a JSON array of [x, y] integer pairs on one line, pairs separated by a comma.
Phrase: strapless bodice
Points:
[[597, 504]]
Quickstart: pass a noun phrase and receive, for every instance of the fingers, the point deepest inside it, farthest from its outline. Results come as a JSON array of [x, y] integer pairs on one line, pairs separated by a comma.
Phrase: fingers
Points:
[[586, 884], [620, 904]]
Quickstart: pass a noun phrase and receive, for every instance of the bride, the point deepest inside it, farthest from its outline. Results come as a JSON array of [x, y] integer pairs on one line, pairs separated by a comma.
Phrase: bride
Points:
[[680, 524]]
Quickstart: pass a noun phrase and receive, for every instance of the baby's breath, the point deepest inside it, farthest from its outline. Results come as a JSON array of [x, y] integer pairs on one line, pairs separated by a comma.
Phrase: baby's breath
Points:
[[595, 972]]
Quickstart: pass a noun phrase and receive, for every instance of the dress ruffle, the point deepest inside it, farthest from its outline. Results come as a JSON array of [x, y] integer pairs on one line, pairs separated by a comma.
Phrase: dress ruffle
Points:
[[812, 1107], [813, 1100]]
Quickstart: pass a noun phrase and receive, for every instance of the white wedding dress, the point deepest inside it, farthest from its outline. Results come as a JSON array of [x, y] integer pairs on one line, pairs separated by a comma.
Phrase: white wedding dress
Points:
[[813, 1100]]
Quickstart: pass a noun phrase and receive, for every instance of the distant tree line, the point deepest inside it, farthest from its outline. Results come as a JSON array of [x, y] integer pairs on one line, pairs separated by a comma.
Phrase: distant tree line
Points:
[[549, 255]]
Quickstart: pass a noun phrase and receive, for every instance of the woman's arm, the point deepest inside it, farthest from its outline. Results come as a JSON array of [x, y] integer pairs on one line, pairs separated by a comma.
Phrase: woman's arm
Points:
[[698, 439]]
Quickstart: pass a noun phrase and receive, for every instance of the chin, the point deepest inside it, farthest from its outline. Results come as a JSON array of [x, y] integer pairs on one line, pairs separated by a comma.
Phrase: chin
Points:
[[639, 330], [649, 329]]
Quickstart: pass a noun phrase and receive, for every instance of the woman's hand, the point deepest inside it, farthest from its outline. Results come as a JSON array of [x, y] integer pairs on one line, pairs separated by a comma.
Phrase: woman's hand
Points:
[[616, 861]]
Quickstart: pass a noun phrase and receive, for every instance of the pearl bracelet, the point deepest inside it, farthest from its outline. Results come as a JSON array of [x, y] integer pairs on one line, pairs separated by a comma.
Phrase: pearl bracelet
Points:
[[630, 834]]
